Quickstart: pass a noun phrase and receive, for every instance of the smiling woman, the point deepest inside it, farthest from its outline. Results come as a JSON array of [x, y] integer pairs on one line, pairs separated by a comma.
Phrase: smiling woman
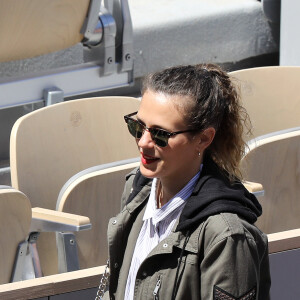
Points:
[[187, 229], [179, 161]]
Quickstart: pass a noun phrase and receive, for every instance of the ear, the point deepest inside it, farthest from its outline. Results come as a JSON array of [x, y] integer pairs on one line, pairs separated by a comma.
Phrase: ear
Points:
[[205, 138]]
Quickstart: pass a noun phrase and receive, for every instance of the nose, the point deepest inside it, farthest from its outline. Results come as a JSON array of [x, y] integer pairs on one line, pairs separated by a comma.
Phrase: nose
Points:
[[146, 140]]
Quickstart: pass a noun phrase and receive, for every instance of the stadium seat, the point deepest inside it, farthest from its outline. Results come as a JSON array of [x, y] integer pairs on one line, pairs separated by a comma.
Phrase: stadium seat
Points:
[[50, 145]]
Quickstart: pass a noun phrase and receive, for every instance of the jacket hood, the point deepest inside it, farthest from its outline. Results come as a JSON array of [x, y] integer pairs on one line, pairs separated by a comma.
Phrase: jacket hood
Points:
[[213, 194]]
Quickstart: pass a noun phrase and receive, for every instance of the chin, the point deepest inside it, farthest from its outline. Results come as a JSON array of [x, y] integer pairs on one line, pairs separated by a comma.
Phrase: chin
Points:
[[148, 172]]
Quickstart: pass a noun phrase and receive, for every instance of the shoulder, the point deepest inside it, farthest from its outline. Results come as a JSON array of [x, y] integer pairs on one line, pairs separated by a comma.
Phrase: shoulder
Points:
[[221, 227], [135, 182], [128, 186], [131, 176], [234, 259]]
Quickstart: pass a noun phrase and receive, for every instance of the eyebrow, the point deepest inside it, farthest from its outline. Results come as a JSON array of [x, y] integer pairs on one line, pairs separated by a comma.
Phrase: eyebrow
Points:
[[153, 126]]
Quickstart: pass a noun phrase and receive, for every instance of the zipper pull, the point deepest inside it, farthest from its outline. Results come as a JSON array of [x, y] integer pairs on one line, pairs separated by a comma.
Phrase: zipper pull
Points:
[[156, 289]]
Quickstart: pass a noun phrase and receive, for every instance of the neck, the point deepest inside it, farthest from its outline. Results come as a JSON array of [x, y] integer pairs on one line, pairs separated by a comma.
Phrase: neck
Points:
[[159, 195], [170, 185], [167, 189]]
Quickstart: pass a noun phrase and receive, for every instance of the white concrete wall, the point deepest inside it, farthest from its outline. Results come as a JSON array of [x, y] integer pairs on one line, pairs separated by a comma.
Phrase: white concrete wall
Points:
[[290, 33]]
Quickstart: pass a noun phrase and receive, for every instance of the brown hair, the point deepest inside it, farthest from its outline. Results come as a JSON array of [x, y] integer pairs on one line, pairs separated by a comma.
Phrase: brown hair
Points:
[[215, 104]]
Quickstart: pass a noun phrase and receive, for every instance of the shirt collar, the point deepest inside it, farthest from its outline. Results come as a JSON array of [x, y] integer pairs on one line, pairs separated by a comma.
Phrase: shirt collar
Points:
[[178, 201]]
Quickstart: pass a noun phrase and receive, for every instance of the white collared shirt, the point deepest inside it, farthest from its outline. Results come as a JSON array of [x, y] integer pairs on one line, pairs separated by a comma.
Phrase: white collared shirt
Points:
[[157, 225]]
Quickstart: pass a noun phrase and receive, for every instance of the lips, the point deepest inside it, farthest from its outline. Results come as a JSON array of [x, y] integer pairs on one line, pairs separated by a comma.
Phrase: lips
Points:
[[148, 159]]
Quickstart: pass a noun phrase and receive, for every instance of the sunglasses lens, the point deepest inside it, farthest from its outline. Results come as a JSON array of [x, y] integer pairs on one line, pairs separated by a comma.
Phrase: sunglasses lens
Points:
[[135, 128], [160, 137]]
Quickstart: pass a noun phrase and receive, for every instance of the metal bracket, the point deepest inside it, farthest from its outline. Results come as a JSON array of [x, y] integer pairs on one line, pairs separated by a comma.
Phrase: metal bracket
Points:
[[44, 225], [119, 9], [67, 252], [53, 95], [108, 47], [127, 38], [17, 273], [105, 52], [115, 48], [34, 254], [259, 193], [92, 28], [27, 262]]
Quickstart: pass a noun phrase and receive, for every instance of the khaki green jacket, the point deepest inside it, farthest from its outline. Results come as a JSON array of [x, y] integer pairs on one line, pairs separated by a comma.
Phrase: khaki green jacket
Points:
[[225, 257]]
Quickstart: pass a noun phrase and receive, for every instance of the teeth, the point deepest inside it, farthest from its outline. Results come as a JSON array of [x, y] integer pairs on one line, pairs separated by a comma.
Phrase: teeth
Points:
[[149, 157]]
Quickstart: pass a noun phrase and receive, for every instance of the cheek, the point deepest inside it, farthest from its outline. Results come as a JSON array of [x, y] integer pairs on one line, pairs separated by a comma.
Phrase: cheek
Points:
[[176, 155], [185, 155], [182, 149]]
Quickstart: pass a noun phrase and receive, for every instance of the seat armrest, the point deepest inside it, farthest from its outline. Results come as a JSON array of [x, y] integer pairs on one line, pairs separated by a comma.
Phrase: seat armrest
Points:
[[254, 188], [284, 240], [47, 220]]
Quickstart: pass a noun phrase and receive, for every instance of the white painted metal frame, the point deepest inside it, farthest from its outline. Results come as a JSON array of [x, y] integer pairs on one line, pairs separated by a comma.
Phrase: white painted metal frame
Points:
[[80, 80]]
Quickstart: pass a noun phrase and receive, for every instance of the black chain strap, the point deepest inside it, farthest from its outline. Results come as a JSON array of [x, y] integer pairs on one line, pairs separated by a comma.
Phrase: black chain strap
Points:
[[103, 283]]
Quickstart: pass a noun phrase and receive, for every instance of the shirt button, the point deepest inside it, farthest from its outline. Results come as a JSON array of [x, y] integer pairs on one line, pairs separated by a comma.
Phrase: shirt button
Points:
[[165, 245], [116, 265], [114, 222]]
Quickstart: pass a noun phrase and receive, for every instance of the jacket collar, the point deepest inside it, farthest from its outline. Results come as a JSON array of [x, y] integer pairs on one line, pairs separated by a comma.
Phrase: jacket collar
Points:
[[213, 194]]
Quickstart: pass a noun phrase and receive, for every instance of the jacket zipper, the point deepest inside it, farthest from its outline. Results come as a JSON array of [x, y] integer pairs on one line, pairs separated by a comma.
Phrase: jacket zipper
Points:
[[156, 289]]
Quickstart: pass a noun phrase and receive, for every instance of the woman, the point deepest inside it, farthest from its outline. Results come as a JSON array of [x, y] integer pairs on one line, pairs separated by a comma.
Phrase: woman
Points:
[[186, 228]]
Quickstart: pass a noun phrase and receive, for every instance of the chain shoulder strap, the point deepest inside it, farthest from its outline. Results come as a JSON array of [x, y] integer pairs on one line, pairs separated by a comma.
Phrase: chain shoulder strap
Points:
[[103, 283]]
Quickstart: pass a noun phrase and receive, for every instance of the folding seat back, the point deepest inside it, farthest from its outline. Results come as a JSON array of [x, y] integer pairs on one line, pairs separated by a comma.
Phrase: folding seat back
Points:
[[270, 96], [95, 193], [15, 218], [39, 27], [50, 145], [274, 161]]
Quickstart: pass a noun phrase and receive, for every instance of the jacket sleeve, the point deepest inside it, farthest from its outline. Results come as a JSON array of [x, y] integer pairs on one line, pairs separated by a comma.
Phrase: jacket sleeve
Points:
[[235, 266]]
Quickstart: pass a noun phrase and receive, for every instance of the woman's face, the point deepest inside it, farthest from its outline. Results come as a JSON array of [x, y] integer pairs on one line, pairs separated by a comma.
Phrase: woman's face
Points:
[[179, 160]]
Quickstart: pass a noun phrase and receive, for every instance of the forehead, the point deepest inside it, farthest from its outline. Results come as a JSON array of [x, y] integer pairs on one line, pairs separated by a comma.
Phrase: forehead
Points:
[[158, 109]]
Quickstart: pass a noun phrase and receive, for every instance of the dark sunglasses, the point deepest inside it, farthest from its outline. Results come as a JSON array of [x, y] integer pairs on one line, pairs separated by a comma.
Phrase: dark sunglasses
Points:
[[159, 136]]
